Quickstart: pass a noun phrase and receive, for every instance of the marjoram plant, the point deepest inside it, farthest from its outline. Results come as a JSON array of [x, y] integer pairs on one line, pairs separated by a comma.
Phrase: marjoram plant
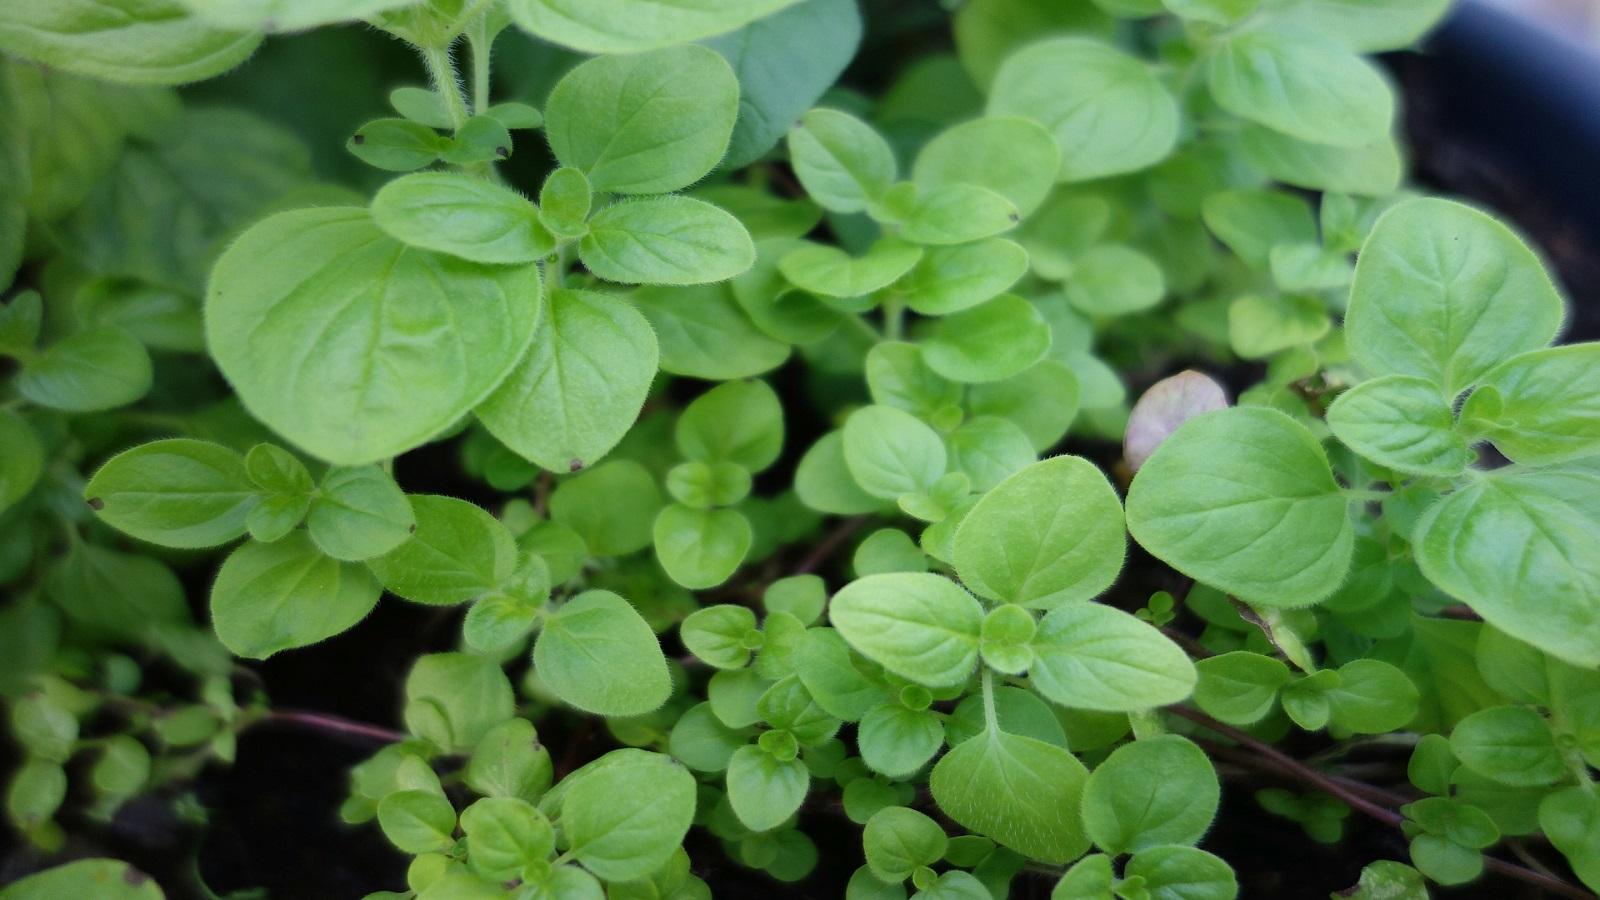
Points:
[[824, 390]]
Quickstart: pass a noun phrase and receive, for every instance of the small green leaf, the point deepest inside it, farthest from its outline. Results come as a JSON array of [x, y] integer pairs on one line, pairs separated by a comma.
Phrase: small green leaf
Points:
[[739, 422], [701, 548], [417, 821], [1239, 687], [763, 790], [1547, 409], [1302, 84], [841, 161], [705, 334], [396, 145], [505, 834], [1108, 112], [1571, 819], [702, 742], [89, 371], [632, 26], [1010, 155], [891, 453], [1156, 791], [454, 699], [457, 552], [1088, 656], [286, 594], [462, 216], [898, 841], [598, 654], [718, 635], [647, 123], [955, 213], [830, 272], [151, 42], [1049, 535], [581, 384], [359, 513], [896, 741], [951, 278], [919, 626], [1243, 499], [666, 240], [610, 506], [990, 342], [1401, 422], [1182, 873], [1023, 793], [1511, 744], [1114, 280], [509, 761], [176, 492], [1372, 697], [1259, 327]]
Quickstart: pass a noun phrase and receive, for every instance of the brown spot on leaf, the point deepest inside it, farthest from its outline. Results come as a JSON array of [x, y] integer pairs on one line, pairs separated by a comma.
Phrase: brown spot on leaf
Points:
[[96, 503], [359, 138], [575, 465]]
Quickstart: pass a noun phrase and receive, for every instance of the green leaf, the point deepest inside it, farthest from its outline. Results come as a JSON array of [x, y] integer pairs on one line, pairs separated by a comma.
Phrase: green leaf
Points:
[[610, 506], [1012, 156], [1182, 873], [1108, 112], [784, 63], [1259, 327], [666, 240], [123, 768], [952, 278], [1372, 697], [509, 761], [988, 449], [1023, 793], [718, 634], [644, 124], [359, 513], [898, 377], [1385, 879], [1511, 744], [631, 26], [1253, 222], [1523, 549], [463, 216], [898, 841], [122, 592], [1401, 422], [36, 792], [417, 821], [955, 213], [396, 145], [830, 272], [829, 672], [581, 384], [823, 481], [841, 161], [701, 548], [505, 834], [565, 201], [989, 342], [1239, 687], [286, 594], [891, 453], [917, 625], [739, 422], [1088, 656], [315, 317], [1049, 535], [1159, 790], [286, 15], [456, 553], [896, 741], [176, 492], [1372, 170], [1302, 84], [1042, 401], [598, 654], [454, 699], [1571, 819], [103, 879], [139, 41], [1113, 280], [704, 334], [89, 371], [702, 742], [1549, 405], [763, 790], [1243, 499], [1367, 26], [1445, 293]]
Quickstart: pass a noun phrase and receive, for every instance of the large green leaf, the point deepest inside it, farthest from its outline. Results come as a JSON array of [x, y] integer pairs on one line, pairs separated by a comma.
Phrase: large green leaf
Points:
[[920, 626], [631, 26], [1243, 499], [1301, 84], [1088, 656], [176, 492], [287, 594], [1154, 791], [666, 240], [598, 654], [1402, 422], [142, 41], [1023, 793], [355, 346]]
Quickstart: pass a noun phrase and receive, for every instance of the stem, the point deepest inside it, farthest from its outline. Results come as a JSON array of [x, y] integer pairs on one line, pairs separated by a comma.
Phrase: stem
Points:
[[442, 72], [990, 719], [894, 312], [482, 43], [1292, 767], [333, 725]]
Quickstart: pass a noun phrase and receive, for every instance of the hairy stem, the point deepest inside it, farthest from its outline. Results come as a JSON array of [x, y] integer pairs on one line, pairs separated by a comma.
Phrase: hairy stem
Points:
[[442, 72], [330, 724]]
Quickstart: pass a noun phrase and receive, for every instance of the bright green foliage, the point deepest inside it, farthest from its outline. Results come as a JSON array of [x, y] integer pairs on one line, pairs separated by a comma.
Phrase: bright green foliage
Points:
[[772, 417], [1244, 499]]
